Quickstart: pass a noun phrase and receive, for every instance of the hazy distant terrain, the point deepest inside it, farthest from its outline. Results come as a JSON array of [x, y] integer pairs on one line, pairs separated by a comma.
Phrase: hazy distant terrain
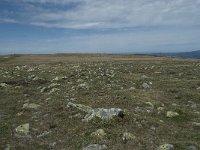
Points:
[[120, 102], [192, 54]]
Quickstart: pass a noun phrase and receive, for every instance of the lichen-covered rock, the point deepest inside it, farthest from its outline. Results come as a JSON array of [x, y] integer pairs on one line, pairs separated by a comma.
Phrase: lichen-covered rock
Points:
[[30, 106], [100, 133], [166, 147], [102, 113], [22, 129], [171, 114], [128, 136], [95, 147]]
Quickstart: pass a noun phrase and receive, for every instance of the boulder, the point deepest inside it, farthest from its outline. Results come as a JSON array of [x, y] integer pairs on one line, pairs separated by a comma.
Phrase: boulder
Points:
[[102, 113]]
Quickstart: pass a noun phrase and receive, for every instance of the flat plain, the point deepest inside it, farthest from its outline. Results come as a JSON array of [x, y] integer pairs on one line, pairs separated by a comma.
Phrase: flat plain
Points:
[[159, 96]]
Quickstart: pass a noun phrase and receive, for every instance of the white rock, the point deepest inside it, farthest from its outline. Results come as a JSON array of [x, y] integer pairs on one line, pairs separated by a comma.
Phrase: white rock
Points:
[[171, 114], [95, 147]]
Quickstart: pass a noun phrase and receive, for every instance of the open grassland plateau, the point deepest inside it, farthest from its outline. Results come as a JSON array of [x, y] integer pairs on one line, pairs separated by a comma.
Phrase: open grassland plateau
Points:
[[96, 102]]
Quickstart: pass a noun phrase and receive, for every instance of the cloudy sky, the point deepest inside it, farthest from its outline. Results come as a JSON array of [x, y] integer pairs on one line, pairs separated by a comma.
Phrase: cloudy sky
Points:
[[107, 26]]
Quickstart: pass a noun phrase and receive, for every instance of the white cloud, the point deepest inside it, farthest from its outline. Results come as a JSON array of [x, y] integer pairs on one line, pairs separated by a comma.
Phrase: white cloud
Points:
[[100, 14]]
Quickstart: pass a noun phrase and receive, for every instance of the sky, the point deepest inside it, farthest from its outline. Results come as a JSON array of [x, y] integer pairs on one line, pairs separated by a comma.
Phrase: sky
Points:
[[99, 26]]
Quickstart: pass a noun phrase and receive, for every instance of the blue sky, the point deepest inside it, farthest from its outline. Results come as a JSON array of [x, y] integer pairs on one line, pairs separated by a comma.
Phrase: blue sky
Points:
[[107, 26]]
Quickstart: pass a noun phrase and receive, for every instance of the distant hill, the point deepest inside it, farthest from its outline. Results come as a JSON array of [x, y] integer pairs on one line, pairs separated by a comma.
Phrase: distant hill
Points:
[[192, 54]]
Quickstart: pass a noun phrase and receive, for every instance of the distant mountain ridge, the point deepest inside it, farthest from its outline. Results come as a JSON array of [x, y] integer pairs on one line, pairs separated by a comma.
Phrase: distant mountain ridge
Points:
[[192, 54]]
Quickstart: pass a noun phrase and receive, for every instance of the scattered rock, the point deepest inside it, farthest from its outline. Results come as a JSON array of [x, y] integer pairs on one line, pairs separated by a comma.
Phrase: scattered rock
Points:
[[7, 147], [3, 85], [35, 78], [145, 86], [144, 77], [30, 106], [56, 79], [127, 136], [19, 113], [150, 105], [105, 114], [44, 134], [191, 148], [22, 129], [81, 107], [166, 147], [192, 104], [100, 133], [160, 109], [83, 86], [78, 115], [52, 145], [95, 147], [171, 114], [196, 124], [44, 89], [53, 90], [132, 88], [53, 85]]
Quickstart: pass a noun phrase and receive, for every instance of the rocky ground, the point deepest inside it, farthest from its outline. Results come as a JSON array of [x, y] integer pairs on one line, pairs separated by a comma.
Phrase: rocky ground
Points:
[[97, 102]]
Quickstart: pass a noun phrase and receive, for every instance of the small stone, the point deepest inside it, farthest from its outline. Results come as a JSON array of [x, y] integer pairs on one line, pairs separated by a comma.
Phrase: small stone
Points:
[[198, 88], [44, 134], [128, 136], [166, 147], [30, 106], [4, 85], [53, 90], [144, 77], [23, 129], [52, 145], [132, 88], [20, 113], [149, 104], [56, 79], [83, 86], [191, 148], [44, 89], [35, 78], [100, 133], [7, 147], [171, 114], [53, 85], [95, 147], [160, 108], [196, 124], [145, 86]]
